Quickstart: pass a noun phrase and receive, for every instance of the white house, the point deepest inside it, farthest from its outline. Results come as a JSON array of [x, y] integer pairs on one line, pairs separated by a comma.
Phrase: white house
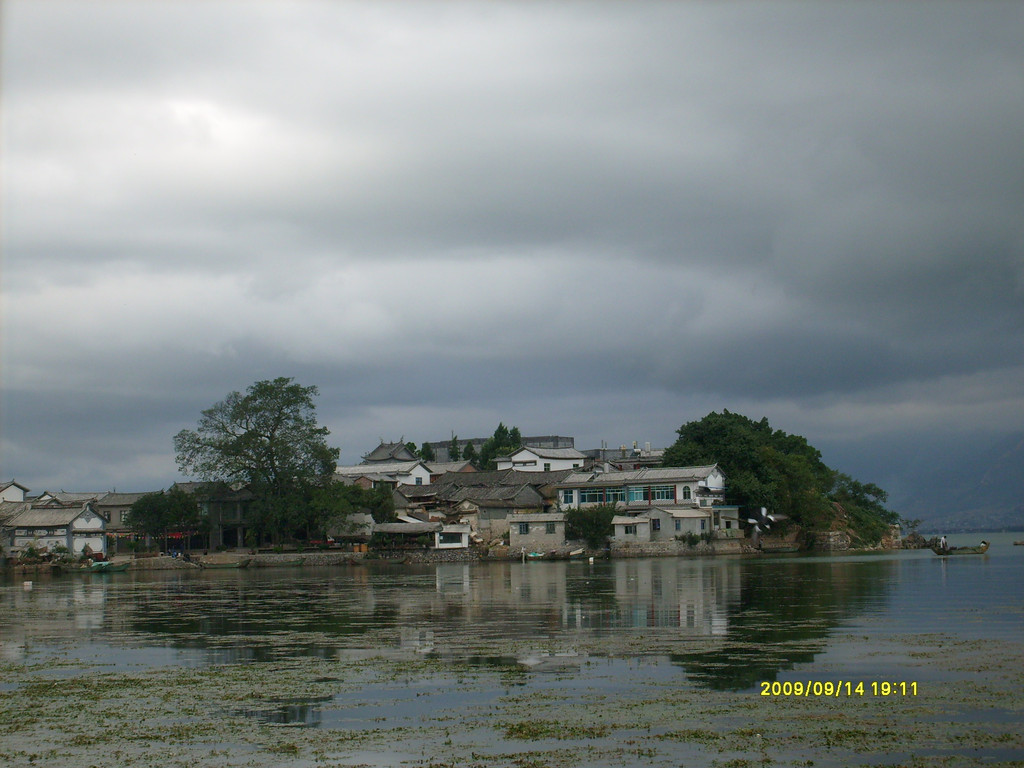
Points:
[[54, 523], [452, 536], [673, 486], [655, 504], [390, 473], [541, 459], [12, 490]]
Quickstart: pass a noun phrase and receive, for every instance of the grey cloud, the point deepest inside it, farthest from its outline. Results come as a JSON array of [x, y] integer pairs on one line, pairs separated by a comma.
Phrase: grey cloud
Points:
[[604, 218]]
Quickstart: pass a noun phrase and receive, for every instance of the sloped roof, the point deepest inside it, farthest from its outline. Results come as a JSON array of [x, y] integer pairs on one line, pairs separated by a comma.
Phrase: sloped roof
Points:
[[499, 495], [547, 453], [412, 529], [50, 516], [642, 475], [440, 467], [629, 520], [504, 477], [389, 452], [378, 468], [120, 499]]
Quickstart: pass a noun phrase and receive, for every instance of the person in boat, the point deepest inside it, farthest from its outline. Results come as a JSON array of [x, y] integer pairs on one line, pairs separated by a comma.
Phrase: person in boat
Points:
[[943, 544]]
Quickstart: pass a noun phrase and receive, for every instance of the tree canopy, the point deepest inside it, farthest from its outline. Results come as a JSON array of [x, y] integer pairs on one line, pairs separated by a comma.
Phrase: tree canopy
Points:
[[503, 442], [158, 514], [267, 438], [782, 472]]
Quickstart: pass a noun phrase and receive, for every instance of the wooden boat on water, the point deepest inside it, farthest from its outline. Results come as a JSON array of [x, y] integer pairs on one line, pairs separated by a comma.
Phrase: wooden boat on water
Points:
[[105, 566], [981, 549]]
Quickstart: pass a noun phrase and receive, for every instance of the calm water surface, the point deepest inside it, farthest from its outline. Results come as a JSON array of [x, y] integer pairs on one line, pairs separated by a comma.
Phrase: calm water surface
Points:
[[771, 613], [721, 624]]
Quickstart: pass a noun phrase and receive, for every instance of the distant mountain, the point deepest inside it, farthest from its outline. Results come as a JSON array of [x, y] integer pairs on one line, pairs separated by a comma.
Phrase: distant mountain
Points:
[[980, 489]]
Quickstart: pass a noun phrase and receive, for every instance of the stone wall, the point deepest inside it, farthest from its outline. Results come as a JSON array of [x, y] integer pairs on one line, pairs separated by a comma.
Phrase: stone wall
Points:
[[673, 548], [832, 541]]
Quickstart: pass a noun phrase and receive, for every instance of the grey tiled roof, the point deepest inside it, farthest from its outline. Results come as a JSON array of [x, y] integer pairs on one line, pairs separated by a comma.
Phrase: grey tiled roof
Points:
[[643, 475], [549, 453]]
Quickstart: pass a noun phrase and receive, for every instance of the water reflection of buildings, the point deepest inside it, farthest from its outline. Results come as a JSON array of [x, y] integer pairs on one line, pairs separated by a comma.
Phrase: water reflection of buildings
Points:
[[668, 592], [49, 612]]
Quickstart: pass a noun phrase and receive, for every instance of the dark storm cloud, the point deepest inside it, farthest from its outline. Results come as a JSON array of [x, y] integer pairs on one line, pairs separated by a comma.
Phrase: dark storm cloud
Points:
[[593, 219]]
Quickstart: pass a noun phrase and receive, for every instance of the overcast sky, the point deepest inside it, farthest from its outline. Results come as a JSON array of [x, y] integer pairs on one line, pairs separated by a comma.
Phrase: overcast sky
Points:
[[600, 220]]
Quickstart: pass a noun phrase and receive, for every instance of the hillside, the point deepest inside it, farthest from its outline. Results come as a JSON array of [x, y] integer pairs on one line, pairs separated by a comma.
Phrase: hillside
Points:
[[981, 489]]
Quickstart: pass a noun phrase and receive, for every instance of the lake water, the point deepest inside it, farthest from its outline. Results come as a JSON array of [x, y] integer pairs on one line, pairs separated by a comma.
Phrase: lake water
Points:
[[651, 661]]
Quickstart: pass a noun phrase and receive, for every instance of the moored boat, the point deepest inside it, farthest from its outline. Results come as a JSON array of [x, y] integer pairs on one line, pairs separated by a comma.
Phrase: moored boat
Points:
[[981, 549], [105, 566]]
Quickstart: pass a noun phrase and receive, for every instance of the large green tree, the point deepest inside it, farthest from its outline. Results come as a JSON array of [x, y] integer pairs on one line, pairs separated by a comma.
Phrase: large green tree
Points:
[[765, 467], [161, 513], [269, 439]]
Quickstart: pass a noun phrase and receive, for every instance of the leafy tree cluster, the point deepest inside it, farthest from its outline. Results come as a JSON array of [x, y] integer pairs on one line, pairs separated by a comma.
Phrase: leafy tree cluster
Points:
[[592, 525], [268, 439], [503, 442], [164, 512], [782, 472]]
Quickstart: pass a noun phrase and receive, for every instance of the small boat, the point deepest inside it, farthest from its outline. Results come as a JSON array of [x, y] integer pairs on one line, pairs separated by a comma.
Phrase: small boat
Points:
[[1019, 543], [105, 566], [981, 549], [219, 564]]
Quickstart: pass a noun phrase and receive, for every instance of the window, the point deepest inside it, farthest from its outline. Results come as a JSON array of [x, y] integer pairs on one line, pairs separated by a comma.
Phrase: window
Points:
[[449, 538], [419, 481], [630, 530], [702, 524], [679, 525], [637, 493], [576, 465], [591, 495], [567, 497], [704, 502], [524, 529], [547, 466], [686, 493], [549, 528], [655, 525], [614, 494], [663, 493]]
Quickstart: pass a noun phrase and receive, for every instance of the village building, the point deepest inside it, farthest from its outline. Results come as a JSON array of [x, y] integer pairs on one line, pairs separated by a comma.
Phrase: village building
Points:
[[392, 474], [390, 453], [12, 490], [654, 504], [115, 507], [528, 459], [442, 449], [50, 523], [483, 500], [227, 510], [537, 532], [625, 458]]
